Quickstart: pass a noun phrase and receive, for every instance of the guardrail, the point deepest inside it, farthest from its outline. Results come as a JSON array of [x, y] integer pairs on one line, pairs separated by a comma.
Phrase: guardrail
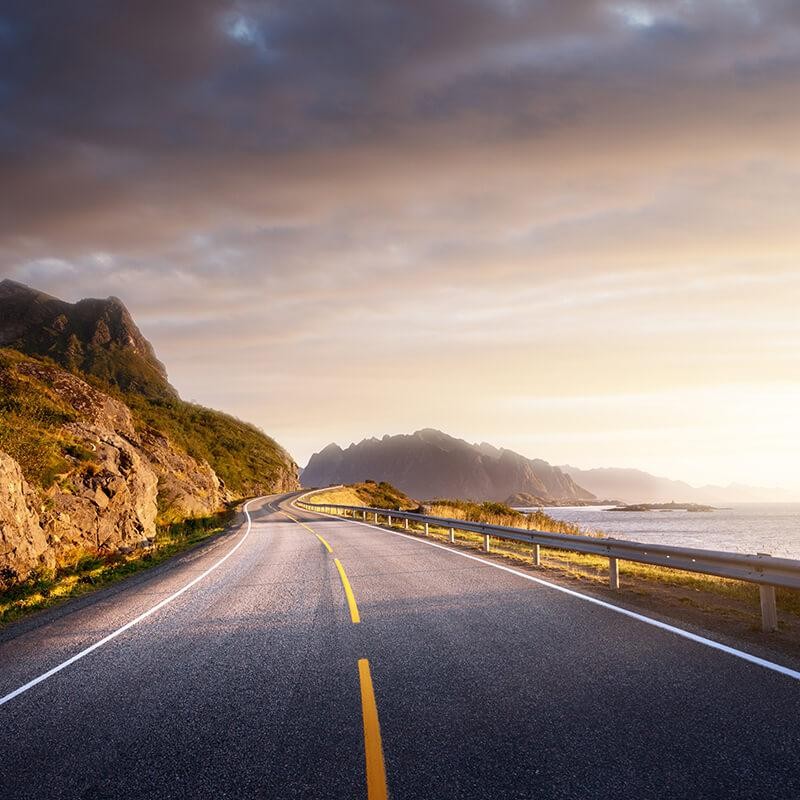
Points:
[[761, 569]]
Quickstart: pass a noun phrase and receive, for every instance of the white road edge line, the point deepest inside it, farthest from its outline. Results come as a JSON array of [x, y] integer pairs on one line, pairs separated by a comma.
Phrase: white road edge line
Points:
[[761, 662], [158, 606]]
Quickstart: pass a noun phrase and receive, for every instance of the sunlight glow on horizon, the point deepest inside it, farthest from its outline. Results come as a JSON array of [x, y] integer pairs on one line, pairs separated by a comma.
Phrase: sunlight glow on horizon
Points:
[[569, 229]]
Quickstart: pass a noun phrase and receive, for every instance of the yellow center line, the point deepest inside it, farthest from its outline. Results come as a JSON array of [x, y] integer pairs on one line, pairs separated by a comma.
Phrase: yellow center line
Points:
[[351, 600], [294, 519], [373, 749], [310, 530]]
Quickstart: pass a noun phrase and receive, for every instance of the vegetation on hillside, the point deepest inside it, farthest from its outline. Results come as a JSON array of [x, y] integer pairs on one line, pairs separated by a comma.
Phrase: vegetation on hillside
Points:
[[120, 369], [368, 493], [32, 416], [245, 458], [31, 420]]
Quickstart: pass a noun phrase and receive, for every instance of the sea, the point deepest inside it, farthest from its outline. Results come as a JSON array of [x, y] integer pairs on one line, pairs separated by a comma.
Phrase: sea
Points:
[[772, 528]]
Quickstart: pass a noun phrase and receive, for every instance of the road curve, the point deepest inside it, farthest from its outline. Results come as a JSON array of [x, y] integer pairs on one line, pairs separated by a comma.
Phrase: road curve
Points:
[[326, 659]]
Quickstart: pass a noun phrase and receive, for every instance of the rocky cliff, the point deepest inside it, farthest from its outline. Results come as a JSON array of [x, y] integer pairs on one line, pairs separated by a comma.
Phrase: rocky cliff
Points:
[[429, 464], [90, 460]]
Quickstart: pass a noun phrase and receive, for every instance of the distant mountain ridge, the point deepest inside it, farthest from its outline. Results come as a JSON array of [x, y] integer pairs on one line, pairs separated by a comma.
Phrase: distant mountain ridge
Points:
[[637, 486], [429, 464]]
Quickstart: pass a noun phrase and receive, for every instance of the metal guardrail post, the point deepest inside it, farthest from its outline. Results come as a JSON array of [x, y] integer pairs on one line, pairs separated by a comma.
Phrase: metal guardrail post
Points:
[[613, 573], [537, 556], [486, 543], [769, 609], [405, 523], [364, 515], [452, 535], [390, 520], [427, 529], [376, 517]]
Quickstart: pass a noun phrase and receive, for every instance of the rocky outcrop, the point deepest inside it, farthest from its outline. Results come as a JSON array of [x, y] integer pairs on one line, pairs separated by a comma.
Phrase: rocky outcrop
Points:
[[119, 479], [23, 544], [186, 487], [89, 404], [108, 504]]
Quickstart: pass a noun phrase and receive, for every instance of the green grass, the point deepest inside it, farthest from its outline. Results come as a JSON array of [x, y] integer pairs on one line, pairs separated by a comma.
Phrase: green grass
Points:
[[247, 460], [32, 416], [92, 571]]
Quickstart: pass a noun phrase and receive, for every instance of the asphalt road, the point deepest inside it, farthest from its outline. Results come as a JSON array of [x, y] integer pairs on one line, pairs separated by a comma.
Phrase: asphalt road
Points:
[[464, 680]]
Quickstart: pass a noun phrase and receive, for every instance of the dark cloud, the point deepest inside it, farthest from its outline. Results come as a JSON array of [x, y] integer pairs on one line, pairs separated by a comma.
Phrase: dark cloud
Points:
[[141, 104]]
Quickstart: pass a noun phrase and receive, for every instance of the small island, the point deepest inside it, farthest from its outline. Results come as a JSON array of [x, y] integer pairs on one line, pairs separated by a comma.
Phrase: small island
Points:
[[693, 507]]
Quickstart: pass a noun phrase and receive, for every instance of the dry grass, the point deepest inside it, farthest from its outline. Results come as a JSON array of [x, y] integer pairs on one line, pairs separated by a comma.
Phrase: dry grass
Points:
[[500, 514], [367, 493], [343, 496]]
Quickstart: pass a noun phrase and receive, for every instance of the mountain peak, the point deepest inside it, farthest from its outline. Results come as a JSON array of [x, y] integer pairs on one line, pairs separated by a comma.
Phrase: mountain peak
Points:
[[93, 336], [430, 463]]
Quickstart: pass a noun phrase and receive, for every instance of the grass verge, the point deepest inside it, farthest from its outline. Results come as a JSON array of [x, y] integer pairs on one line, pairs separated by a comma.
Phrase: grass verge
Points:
[[92, 571]]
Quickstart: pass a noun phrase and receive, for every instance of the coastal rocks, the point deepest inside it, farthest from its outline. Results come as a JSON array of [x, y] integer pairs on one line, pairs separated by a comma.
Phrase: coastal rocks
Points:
[[23, 544]]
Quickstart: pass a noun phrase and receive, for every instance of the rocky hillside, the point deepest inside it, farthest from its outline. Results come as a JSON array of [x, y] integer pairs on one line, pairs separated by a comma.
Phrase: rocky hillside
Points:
[[96, 448], [429, 464]]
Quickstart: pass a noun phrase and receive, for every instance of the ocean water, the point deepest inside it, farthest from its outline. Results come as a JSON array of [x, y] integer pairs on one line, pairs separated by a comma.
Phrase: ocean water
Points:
[[772, 528]]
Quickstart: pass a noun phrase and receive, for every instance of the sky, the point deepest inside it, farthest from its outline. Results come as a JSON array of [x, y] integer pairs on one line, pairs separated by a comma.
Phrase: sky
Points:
[[570, 229]]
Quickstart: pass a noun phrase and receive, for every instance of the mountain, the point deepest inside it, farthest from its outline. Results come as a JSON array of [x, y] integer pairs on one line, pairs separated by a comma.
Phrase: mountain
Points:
[[429, 464], [96, 447], [95, 337], [636, 486]]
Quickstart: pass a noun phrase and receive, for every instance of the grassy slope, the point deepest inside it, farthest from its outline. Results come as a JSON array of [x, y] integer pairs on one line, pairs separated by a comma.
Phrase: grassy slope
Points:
[[499, 514], [248, 460], [368, 493], [31, 416]]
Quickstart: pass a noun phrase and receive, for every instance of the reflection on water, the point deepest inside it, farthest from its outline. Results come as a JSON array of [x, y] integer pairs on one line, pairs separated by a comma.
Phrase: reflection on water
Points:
[[772, 528]]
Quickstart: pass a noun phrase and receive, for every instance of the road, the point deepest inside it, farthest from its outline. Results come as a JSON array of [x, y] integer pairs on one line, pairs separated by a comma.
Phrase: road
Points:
[[459, 680]]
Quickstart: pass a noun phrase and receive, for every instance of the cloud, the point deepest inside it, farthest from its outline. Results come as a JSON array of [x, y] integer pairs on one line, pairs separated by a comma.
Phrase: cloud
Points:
[[553, 196]]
